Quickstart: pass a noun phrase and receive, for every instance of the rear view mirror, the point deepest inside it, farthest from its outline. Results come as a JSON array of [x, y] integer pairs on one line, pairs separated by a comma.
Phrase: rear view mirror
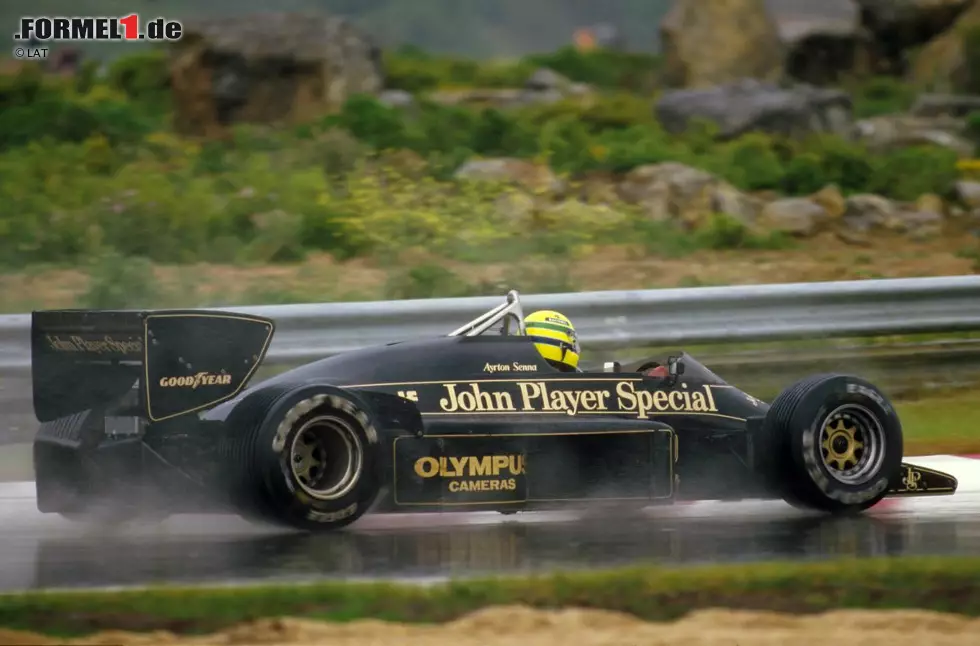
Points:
[[675, 366]]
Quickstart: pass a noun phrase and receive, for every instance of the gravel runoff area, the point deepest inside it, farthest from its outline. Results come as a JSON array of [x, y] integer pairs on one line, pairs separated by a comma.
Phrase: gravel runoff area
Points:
[[521, 626]]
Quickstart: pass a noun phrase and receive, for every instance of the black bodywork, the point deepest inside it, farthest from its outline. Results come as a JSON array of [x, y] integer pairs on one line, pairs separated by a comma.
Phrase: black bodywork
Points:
[[151, 412]]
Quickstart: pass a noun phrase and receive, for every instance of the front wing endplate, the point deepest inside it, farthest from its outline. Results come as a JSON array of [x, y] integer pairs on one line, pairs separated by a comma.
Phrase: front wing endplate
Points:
[[914, 480]]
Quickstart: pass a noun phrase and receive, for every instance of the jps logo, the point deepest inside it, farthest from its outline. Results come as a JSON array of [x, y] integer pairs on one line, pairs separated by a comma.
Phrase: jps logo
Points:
[[193, 381], [911, 479]]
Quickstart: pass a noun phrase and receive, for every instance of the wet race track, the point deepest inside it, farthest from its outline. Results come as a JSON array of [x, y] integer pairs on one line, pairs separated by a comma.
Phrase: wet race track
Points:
[[46, 551]]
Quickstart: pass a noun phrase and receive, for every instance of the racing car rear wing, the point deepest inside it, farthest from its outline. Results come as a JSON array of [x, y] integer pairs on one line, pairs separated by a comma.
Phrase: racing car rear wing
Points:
[[181, 361]]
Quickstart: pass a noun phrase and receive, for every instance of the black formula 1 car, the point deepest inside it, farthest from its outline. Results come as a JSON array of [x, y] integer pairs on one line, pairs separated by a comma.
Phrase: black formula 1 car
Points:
[[151, 413]]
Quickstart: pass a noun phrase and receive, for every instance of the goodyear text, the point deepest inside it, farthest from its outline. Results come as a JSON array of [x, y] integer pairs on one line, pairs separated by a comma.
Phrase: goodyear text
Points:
[[193, 381]]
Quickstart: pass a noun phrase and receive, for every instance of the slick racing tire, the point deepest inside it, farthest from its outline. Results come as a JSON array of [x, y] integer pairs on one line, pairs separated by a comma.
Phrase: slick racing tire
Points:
[[833, 443], [311, 462]]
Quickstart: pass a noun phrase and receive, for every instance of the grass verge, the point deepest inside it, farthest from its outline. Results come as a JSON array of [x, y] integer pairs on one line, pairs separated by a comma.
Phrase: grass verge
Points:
[[651, 593], [941, 425]]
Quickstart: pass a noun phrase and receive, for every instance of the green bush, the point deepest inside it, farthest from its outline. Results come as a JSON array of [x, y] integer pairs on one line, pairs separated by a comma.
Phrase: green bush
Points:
[[32, 109], [414, 70], [89, 169], [907, 174], [143, 77], [603, 68], [882, 95]]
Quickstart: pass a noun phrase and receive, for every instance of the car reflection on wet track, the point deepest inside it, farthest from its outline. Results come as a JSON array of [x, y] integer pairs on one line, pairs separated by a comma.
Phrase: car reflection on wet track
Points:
[[506, 547]]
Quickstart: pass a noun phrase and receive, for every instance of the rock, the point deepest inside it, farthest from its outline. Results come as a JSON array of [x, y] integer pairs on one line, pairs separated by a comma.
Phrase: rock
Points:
[[832, 201], [968, 193], [891, 132], [945, 105], [548, 86], [930, 203], [865, 211], [597, 188], [397, 99], [853, 238], [707, 42], [749, 105], [898, 26], [673, 191], [917, 224], [507, 98], [867, 214], [940, 65], [798, 216], [268, 69], [823, 49], [544, 79], [533, 177]]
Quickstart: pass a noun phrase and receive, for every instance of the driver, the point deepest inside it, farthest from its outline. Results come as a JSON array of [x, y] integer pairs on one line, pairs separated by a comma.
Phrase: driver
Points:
[[555, 338]]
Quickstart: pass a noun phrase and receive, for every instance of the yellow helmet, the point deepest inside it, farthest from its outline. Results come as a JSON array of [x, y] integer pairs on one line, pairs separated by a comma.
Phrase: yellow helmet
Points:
[[554, 337]]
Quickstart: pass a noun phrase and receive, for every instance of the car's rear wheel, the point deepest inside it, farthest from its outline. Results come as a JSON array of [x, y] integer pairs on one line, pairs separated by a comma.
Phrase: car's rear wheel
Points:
[[834, 443], [311, 462]]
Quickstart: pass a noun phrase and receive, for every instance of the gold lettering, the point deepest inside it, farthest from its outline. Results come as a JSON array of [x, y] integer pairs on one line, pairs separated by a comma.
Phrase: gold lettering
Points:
[[698, 402], [530, 391], [525, 367], [589, 400], [603, 396], [503, 401], [645, 402], [627, 398], [911, 479], [458, 464], [499, 462], [544, 397], [426, 467], [449, 403], [711, 399], [480, 467], [193, 381], [475, 400], [469, 466], [107, 344], [463, 486]]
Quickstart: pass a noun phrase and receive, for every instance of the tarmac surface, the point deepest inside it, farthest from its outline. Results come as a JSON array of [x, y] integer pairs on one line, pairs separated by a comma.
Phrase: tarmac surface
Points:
[[46, 551]]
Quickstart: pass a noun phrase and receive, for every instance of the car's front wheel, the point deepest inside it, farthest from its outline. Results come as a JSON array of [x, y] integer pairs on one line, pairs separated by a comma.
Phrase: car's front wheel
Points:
[[834, 444]]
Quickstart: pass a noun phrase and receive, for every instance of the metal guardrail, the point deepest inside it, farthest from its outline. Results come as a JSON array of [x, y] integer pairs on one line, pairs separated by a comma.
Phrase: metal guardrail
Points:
[[616, 319]]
